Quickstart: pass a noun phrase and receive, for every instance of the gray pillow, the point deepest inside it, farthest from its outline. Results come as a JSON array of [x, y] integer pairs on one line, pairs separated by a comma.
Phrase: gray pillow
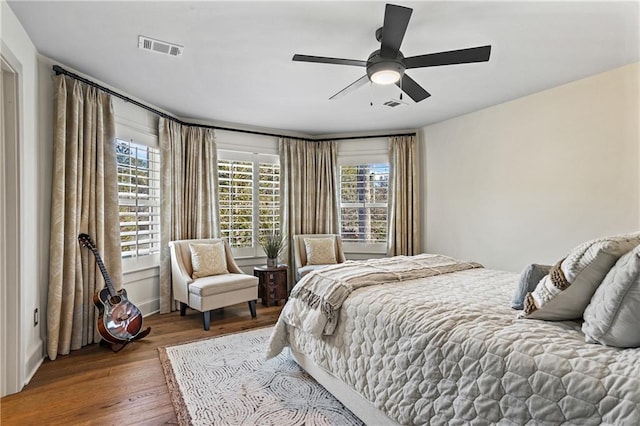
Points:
[[565, 293], [529, 279], [612, 317]]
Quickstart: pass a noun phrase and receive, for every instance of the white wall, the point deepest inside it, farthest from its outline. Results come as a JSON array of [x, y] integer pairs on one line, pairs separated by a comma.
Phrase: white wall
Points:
[[527, 180], [22, 56]]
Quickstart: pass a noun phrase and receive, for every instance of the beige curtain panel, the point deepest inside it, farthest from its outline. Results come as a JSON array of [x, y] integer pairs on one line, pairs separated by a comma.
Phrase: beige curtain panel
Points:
[[404, 224], [308, 191], [84, 199], [189, 188]]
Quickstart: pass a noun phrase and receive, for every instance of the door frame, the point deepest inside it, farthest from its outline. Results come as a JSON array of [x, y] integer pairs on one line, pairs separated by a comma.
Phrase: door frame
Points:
[[11, 352]]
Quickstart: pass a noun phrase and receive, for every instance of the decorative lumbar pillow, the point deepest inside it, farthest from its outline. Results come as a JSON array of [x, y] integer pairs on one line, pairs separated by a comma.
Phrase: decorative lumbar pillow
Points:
[[566, 291], [320, 251], [613, 316], [529, 279], [208, 259]]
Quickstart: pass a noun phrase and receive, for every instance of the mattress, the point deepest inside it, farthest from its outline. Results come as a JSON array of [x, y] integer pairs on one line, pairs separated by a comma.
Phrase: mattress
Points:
[[448, 349]]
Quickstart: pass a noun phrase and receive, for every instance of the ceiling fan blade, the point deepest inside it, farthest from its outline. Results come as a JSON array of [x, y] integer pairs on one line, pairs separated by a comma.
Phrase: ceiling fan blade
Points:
[[451, 57], [413, 89], [352, 87], [396, 19], [325, 60]]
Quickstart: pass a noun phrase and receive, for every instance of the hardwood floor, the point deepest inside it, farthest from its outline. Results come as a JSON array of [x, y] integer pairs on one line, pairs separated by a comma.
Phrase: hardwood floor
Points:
[[95, 386]]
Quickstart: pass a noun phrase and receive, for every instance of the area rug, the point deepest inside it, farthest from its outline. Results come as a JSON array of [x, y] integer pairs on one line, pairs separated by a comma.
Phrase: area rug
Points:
[[227, 381]]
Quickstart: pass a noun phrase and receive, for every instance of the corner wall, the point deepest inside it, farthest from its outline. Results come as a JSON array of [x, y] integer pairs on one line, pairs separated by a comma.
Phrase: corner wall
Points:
[[33, 260], [525, 181]]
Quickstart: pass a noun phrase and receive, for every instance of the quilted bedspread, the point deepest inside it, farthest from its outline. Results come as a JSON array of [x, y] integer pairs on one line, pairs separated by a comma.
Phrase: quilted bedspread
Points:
[[317, 298], [449, 350]]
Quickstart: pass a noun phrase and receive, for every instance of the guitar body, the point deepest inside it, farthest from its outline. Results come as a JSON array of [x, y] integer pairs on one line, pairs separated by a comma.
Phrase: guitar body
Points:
[[119, 320]]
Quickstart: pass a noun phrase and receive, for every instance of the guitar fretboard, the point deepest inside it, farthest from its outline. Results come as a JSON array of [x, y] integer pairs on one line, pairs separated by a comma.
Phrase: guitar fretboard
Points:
[[103, 269], [86, 241]]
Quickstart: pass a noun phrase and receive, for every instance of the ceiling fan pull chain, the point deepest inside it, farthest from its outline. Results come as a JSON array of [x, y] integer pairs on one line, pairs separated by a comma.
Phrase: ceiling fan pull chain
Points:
[[401, 88], [371, 93]]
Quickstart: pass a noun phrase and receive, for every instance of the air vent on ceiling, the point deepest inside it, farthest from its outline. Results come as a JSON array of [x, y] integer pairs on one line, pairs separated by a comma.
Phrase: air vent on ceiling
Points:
[[393, 103], [171, 49]]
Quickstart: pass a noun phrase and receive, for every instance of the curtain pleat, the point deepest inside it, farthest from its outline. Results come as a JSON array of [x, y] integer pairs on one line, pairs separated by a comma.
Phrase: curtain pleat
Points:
[[404, 223], [84, 199], [189, 188], [308, 191]]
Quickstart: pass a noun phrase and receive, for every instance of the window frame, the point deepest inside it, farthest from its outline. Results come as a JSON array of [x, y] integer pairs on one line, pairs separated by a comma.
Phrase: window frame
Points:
[[355, 160], [135, 263], [255, 251]]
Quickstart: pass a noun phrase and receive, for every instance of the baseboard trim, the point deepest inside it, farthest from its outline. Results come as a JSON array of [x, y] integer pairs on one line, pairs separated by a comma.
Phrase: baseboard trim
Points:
[[34, 361], [149, 307]]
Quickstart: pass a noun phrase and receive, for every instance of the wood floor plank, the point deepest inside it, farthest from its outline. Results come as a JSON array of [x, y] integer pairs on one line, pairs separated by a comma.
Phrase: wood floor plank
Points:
[[95, 386]]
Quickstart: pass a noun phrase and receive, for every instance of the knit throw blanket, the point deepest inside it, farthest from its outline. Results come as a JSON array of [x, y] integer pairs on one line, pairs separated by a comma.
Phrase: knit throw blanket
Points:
[[316, 300]]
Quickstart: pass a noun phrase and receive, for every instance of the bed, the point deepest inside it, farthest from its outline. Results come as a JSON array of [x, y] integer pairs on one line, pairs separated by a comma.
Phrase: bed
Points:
[[446, 348]]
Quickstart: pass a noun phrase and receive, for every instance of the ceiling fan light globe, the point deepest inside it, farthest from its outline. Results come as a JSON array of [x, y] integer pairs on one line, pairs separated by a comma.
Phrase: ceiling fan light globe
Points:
[[385, 77]]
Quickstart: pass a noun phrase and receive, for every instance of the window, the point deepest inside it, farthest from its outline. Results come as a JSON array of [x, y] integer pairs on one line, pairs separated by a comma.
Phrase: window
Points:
[[138, 199], [363, 203], [249, 195], [235, 180], [269, 197]]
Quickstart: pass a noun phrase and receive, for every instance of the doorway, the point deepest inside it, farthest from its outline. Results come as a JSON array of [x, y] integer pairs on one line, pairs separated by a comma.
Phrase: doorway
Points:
[[11, 366]]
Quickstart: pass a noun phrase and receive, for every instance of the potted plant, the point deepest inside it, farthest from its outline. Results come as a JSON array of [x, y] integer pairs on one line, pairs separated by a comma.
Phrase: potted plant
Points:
[[272, 242]]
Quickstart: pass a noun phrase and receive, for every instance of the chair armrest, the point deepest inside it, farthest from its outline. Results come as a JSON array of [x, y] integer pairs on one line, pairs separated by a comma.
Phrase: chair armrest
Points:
[[177, 266], [232, 266], [180, 278], [297, 252], [180, 271]]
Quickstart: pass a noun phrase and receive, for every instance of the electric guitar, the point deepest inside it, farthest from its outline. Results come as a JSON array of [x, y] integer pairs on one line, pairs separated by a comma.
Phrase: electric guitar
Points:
[[119, 320]]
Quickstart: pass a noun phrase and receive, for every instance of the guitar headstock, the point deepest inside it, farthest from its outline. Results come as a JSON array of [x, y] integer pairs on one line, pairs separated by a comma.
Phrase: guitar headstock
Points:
[[86, 241]]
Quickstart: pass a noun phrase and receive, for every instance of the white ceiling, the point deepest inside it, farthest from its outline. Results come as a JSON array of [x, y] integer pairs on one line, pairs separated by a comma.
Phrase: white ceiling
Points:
[[237, 67]]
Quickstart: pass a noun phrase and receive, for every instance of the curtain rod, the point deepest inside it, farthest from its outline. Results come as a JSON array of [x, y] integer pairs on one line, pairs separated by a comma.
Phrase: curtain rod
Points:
[[59, 70]]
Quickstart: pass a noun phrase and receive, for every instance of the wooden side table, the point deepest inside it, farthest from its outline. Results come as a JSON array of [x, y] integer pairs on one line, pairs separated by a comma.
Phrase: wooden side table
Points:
[[272, 284]]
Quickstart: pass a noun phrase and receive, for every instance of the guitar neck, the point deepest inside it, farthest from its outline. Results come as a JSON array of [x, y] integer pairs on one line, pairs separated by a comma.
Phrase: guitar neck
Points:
[[103, 269]]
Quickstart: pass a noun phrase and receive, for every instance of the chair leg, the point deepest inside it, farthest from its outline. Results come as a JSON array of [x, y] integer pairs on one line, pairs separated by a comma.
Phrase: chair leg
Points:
[[206, 319], [252, 308], [183, 309]]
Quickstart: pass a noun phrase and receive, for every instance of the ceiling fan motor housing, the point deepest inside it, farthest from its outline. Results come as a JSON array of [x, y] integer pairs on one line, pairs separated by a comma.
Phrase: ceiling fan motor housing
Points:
[[377, 63]]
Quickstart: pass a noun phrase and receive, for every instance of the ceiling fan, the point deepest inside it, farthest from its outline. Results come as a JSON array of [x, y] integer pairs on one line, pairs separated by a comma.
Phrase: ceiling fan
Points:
[[387, 65]]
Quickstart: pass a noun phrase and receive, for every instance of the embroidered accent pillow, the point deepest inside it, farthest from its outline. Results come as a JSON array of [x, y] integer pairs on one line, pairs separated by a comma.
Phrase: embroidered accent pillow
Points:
[[207, 260], [613, 316], [529, 279], [566, 291], [320, 251]]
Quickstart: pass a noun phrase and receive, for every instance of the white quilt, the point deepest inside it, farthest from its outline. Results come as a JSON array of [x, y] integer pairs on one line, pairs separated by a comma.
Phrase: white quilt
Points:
[[449, 350], [315, 302]]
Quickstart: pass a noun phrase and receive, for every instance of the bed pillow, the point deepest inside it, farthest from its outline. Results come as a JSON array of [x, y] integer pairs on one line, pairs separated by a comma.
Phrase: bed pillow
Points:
[[207, 260], [613, 316], [320, 251], [529, 279], [566, 291]]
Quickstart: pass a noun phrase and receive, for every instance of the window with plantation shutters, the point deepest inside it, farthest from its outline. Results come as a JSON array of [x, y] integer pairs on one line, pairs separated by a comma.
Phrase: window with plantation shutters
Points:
[[249, 197], [138, 199], [235, 180], [363, 203], [268, 197]]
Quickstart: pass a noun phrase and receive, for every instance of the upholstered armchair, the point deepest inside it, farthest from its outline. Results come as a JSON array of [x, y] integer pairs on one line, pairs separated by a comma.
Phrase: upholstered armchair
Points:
[[206, 277], [314, 251]]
